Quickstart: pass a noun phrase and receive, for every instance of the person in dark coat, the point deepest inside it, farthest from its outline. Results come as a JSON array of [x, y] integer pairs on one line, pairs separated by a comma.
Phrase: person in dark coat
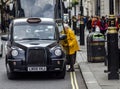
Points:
[[89, 26]]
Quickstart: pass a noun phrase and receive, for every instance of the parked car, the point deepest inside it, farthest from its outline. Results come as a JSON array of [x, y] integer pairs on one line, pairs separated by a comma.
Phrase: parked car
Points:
[[33, 46]]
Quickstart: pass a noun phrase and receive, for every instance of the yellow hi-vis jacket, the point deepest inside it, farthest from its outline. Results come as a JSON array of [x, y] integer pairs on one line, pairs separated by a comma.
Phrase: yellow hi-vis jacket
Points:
[[70, 44]]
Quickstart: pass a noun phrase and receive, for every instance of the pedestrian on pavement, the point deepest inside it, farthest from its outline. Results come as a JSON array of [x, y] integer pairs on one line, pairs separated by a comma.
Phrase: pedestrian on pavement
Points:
[[78, 25], [70, 45], [103, 25], [85, 19], [95, 21], [89, 26], [74, 21]]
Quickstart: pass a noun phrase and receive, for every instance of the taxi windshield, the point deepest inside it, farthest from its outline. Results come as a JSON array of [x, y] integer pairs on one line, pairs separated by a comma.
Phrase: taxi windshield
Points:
[[34, 32]]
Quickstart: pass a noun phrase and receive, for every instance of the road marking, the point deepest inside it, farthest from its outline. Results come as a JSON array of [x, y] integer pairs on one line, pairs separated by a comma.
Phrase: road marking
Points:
[[74, 82]]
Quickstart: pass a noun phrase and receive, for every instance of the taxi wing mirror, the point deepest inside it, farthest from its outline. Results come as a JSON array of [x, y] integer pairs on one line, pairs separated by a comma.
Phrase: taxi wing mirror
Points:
[[63, 37]]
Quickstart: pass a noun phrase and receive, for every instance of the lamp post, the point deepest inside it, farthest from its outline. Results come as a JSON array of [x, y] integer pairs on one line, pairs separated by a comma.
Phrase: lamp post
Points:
[[74, 10], [69, 12], [111, 7], [112, 45], [98, 8], [81, 25], [81, 7]]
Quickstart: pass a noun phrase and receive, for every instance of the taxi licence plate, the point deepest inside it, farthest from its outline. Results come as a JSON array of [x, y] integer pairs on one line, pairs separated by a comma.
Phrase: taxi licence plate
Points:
[[33, 69]]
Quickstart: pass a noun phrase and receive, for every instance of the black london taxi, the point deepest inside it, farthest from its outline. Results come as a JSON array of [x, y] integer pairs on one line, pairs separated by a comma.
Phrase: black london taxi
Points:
[[33, 45]]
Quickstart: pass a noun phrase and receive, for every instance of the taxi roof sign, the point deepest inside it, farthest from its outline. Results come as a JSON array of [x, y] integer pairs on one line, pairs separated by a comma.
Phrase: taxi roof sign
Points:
[[33, 20]]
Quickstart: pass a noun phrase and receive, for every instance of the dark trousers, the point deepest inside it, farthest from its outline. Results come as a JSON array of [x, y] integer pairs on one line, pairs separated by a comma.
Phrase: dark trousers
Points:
[[71, 59]]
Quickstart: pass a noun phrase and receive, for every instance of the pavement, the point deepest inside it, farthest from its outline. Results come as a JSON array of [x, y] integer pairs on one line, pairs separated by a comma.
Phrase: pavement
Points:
[[93, 73]]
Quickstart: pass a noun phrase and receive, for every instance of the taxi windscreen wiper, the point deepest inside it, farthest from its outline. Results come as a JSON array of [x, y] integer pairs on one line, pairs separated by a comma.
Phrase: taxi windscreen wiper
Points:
[[47, 39], [35, 39], [30, 39]]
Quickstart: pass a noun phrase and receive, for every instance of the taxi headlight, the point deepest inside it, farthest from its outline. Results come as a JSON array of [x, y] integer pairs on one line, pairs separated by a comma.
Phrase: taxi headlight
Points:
[[14, 52], [58, 52]]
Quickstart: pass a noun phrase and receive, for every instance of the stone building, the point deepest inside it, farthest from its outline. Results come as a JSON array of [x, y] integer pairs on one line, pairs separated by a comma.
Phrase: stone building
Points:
[[100, 7]]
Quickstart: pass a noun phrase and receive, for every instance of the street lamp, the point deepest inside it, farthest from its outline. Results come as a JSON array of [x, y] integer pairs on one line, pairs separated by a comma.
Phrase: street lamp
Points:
[[69, 12], [82, 42], [81, 8], [111, 7], [98, 8], [112, 45]]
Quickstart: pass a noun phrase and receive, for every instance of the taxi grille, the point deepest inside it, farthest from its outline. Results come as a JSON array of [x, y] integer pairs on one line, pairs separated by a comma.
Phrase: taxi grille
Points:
[[36, 56]]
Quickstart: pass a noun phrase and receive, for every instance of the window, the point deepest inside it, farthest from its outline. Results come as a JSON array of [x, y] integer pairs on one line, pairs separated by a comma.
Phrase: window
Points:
[[38, 32]]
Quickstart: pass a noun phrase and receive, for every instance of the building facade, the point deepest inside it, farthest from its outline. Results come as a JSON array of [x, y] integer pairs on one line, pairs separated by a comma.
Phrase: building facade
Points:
[[92, 7], [117, 7], [100, 7]]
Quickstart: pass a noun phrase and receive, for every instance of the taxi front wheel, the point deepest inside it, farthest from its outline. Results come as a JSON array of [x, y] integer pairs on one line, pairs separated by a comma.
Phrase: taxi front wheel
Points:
[[10, 74], [61, 75]]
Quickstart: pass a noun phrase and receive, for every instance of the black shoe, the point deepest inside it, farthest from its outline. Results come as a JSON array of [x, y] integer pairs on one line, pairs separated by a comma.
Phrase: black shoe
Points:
[[70, 70]]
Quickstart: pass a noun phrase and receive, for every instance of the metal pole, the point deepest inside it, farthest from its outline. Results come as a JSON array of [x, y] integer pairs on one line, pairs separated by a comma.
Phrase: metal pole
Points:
[[69, 12], [111, 7], [75, 10], [97, 10], [112, 45], [81, 25], [81, 7]]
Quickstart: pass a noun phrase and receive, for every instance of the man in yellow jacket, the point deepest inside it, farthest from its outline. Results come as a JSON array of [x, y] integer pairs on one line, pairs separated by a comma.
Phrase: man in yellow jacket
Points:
[[71, 46]]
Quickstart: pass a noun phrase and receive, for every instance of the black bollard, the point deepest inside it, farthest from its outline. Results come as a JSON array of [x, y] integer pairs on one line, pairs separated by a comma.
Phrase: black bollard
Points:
[[112, 48], [118, 23]]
